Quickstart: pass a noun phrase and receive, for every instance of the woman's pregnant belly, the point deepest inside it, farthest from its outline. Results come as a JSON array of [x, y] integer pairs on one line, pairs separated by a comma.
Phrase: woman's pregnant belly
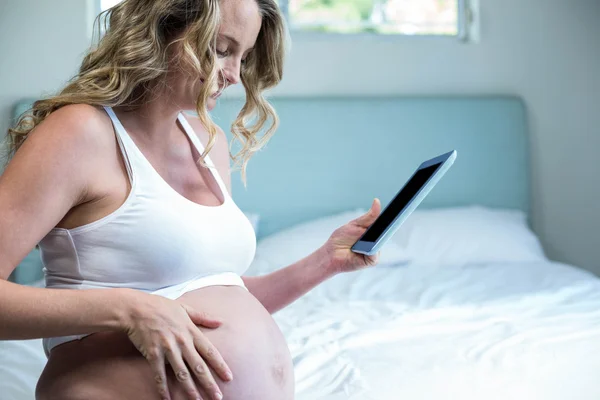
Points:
[[106, 365]]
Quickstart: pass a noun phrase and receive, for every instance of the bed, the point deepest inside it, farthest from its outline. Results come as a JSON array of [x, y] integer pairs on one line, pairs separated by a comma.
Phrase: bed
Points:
[[464, 303]]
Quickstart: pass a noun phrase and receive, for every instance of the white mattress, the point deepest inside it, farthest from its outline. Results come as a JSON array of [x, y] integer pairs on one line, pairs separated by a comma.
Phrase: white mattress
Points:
[[513, 331], [516, 331]]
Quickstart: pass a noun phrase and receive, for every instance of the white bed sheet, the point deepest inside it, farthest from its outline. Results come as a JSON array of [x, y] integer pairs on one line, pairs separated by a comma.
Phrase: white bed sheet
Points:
[[513, 331]]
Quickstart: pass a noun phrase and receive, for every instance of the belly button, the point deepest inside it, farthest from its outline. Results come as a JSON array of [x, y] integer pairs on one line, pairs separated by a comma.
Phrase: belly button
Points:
[[279, 375], [279, 371]]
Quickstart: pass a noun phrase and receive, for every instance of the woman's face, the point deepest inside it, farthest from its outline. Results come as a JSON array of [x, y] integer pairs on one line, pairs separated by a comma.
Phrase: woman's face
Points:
[[239, 27]]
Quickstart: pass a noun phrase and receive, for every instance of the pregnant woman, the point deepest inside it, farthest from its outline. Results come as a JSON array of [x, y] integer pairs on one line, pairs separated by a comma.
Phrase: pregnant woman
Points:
[[143, 247]]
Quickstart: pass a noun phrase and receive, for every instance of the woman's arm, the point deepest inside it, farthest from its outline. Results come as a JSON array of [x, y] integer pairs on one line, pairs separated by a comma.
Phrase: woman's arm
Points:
[[29, 313], [282, 287], [50, 174], [55, 170]]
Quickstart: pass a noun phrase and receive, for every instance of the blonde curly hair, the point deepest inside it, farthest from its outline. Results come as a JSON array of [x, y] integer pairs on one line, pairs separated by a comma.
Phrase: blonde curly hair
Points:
[[131, 59]]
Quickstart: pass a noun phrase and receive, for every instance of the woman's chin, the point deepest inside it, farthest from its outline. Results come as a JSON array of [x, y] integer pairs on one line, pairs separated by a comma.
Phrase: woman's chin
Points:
[[211, 103]]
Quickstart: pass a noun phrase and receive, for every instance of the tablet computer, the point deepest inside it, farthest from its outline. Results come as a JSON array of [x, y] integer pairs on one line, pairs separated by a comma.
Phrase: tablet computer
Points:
[[407, 199]]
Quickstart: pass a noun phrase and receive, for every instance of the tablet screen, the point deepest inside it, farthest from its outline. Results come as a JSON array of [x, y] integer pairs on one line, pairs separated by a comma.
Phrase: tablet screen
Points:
[[400, 201]]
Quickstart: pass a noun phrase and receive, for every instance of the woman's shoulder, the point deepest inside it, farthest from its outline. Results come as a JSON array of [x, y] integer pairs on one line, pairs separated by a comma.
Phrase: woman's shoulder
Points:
[[78, 136], [82, 126], [78, 119]]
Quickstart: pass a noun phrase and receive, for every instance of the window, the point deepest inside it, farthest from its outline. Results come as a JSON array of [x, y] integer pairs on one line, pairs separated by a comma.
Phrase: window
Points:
[[400, 17], [106, 4], [406, 17], [100, 6]]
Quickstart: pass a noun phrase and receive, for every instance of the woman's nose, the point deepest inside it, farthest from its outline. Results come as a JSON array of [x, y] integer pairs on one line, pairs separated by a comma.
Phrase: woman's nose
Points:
[[232, 72]]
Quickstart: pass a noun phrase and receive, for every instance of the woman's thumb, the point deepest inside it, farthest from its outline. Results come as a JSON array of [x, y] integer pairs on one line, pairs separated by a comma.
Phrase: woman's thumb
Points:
[[368, 218], [374, 210], [201, 318], [376, 206]]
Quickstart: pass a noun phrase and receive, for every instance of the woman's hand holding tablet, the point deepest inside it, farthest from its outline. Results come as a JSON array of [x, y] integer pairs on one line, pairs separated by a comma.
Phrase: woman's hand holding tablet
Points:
[[404, 203]]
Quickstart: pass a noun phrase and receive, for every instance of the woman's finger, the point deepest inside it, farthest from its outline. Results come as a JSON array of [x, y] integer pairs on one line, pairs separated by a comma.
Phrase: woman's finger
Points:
[[173, 354], [202, 373], [212, 356], [372, 260], [201, 318], [157, 363]]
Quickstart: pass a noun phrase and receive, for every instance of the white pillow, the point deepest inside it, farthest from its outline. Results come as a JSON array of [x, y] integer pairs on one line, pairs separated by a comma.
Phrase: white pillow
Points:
[[21, 364], [468, 235], [285, 247]]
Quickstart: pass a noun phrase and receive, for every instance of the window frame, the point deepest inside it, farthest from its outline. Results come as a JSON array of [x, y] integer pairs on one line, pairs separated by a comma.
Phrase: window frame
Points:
[[468, 24]]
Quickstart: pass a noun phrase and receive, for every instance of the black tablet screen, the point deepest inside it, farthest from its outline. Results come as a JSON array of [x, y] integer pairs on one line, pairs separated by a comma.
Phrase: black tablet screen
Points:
[[400, 201]]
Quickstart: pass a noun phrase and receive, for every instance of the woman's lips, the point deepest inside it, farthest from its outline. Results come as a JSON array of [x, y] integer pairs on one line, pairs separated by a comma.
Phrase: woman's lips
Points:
[[218, 93]]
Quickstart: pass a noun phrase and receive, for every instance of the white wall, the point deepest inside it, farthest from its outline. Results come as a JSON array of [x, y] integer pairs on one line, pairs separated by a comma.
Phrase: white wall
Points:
[[546, 51], [543, 50], [41, 46]]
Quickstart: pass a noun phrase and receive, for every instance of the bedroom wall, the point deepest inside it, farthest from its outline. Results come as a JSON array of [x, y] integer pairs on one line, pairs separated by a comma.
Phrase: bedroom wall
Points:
[[543, 50], [41, 47]]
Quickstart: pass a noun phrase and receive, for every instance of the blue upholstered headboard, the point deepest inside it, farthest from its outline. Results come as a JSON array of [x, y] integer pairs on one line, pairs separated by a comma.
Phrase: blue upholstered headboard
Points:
[[335, 154]]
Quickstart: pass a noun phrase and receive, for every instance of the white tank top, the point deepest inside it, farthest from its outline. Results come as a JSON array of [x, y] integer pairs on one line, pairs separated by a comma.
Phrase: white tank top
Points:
[[157, 241]]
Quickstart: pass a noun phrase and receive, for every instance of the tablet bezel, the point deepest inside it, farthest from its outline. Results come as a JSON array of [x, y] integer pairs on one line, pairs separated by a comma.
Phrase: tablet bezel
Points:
[[370, 248]]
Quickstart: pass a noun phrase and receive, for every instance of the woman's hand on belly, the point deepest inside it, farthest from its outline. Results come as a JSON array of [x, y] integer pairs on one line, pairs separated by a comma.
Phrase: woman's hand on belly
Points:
[[165, 330], [107, 366]]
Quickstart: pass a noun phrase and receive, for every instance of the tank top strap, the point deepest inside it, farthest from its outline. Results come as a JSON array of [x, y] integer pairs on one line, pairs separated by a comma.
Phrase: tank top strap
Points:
[[126, 145], [200, 148]]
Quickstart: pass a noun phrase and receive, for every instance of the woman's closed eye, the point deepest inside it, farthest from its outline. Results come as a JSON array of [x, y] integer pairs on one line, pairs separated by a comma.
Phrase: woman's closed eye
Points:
[[226, 53]]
